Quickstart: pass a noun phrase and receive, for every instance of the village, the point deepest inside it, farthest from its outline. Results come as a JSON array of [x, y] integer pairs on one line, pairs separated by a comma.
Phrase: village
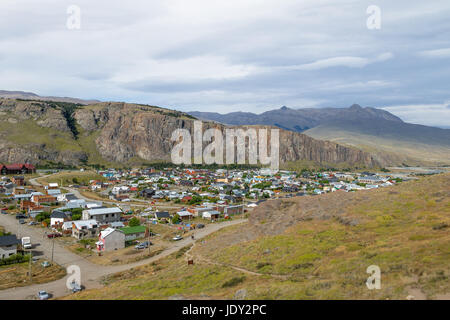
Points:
[[118, 216]]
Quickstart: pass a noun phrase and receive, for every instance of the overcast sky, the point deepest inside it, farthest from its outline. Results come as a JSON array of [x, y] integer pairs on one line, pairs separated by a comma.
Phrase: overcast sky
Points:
[[227, 55]]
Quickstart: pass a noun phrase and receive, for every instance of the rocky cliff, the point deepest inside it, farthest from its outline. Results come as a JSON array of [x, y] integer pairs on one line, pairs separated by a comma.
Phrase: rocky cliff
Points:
[[120, 133]]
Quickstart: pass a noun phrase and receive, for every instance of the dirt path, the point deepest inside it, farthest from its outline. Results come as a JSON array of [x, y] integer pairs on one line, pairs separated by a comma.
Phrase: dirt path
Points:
[[199, 258]]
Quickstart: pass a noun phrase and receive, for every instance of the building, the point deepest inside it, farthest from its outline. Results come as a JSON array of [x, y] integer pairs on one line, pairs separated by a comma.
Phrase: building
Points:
[[110, 239], [57, 218], [85, 229], [230, 210], [17, 168], [133, 233], [162, 215], [211, 215], [103, 215], [18, 180], [185, 215], [38, 199], [8, 246]]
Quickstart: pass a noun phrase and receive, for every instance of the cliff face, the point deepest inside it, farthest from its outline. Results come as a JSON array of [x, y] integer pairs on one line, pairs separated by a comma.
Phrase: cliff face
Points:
[[121, 132]]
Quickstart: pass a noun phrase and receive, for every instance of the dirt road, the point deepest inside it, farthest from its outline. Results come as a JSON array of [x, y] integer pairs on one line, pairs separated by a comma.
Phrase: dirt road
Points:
[[91, 274]]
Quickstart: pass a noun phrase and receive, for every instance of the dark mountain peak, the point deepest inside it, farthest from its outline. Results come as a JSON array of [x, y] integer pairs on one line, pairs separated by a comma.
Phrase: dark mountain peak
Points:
[[355, 107], [284, 108]]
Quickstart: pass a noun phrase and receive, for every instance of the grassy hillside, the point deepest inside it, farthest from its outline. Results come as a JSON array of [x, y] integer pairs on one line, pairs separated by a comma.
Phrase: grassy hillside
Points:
[[399, 143], [72, 177], [312, 253]]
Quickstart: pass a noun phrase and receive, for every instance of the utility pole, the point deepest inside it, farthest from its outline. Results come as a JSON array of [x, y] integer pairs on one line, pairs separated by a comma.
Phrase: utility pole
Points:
[[29, 265], [53, 248], [148, 239]]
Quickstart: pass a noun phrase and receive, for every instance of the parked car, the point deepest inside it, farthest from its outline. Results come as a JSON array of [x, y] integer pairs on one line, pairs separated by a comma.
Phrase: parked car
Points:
[[200, 226], [22, 221], [43, 295], [45, 264], [143, 245], [177, 238], [54, 235], [75, 287], [20, 216], [33, 223]]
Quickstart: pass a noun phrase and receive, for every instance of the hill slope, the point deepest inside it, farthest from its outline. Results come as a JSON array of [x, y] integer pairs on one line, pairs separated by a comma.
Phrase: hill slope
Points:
[[400, 143], [126, 134]]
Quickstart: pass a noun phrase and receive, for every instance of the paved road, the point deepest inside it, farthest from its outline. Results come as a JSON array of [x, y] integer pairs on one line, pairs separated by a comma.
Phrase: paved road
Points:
[[91, 274]]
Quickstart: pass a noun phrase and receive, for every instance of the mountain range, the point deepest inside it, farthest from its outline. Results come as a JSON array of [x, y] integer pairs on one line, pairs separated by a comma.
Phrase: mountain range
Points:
[[389, 139], [118, 134], [76, 131]]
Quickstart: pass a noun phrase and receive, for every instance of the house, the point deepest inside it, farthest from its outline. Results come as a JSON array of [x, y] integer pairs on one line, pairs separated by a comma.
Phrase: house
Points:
[[38, 199], [103, 215], [82, 229], [52, 185], [8, 246], [110, 239], [17, 168], [57, 218], [211, 215], [18, 180], [66, 197], [117, 225], [230, 210], [197, 212], [132, 233], [185, 215], [147, 193], [162, 215]]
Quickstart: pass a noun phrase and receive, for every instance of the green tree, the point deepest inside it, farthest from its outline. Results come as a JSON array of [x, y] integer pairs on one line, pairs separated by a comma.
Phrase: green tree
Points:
[[134, 222], [176, 218]]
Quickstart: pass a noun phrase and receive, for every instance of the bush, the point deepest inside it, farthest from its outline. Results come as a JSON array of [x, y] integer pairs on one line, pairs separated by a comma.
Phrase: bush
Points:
[[134, 222], [176, 219], [233, 282]]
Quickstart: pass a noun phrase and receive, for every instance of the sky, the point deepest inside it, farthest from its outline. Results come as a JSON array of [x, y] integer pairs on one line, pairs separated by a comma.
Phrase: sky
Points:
[[225, 56]]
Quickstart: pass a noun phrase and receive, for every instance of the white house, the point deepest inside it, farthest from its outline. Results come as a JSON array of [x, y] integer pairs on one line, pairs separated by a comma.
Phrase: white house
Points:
[[110, 239]]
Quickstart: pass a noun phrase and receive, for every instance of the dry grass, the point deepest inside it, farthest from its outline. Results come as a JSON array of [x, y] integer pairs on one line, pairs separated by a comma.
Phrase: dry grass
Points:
[[17, 275], [403, 229]]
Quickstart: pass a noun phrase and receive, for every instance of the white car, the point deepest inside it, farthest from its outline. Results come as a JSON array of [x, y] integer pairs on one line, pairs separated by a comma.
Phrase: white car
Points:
[[43, 295], [177, 238]]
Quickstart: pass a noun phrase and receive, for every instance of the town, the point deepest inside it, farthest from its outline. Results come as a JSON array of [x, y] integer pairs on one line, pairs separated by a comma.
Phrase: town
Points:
[[117, 216]]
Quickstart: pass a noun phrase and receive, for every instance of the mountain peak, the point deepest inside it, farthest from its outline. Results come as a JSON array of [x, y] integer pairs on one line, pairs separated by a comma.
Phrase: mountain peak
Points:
[[356, 106], [284, 108]]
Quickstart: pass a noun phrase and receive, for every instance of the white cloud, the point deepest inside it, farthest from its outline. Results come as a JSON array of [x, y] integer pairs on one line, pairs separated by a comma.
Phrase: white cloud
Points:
[[438, 53], [227, 55], [437, 115]]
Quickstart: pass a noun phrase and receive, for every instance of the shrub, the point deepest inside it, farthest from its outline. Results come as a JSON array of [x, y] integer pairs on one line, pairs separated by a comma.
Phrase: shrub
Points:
[[134, 222], [233, 282]]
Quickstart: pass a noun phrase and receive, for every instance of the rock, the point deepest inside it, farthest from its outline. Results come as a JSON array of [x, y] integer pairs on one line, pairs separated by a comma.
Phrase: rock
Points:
[[177, 297], [410, 297], [240, 294]]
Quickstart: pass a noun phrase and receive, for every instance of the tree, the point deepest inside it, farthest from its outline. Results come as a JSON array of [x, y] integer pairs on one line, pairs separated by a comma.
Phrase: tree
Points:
[[134, 222], [176, 218]]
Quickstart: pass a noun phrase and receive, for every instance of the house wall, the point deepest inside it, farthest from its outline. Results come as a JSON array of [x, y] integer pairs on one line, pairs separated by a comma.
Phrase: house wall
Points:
[[134, 236], [6, 251], [115, 240]]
